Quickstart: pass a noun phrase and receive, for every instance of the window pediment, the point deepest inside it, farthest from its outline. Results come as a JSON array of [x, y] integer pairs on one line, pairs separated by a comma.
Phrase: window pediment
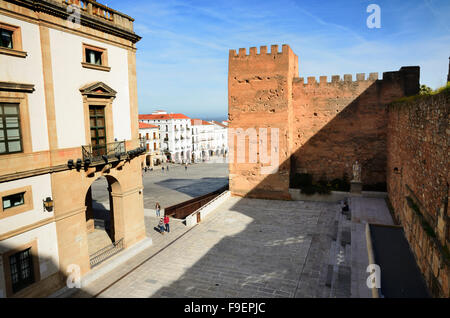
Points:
[[98, 89]]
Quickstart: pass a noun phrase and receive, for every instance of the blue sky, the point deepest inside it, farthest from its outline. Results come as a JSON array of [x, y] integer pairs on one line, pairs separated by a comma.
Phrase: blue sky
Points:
[[182, 59]]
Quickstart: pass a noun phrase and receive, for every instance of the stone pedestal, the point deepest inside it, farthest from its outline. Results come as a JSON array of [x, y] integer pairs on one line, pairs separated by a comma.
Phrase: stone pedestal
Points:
[[355, 187]]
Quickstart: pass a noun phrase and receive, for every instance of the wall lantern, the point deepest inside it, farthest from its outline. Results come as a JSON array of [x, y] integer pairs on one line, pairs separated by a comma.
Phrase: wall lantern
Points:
[[48, 204], [78, 164]]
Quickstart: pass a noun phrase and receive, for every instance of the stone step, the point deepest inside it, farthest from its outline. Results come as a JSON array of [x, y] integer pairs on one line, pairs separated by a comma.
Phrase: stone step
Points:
[[97, 240], [338, 276]]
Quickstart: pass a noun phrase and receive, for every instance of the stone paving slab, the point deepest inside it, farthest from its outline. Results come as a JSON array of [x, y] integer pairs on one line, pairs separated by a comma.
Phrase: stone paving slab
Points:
[[249, 248], [246, 248]]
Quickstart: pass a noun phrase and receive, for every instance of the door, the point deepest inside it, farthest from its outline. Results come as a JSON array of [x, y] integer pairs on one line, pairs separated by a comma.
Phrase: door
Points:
[[98, 130]]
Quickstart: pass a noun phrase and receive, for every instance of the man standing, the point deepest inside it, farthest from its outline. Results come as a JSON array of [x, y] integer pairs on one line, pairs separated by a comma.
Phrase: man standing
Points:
[[166, 223]]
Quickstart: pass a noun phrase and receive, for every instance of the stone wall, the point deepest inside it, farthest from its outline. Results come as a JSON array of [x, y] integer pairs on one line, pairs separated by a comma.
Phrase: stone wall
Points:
[[259, 96], [323, 127], [339, 122], [418, 181]]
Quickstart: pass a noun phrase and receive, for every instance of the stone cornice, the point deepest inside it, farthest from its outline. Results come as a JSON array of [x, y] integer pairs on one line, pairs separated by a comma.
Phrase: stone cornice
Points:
[[59, 10], [16, 87]]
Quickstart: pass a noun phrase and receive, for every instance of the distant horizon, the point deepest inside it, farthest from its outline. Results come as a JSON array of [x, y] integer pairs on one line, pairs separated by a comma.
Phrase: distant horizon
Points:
[[190, 115]]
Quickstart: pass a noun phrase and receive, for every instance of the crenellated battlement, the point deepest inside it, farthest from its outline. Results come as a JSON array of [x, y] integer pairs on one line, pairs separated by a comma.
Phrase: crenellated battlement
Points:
[[347, 78], [253, 51]]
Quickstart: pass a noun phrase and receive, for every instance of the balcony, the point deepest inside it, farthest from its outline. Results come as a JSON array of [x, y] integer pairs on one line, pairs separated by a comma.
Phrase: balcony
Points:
[[101, 15], [98, 153]]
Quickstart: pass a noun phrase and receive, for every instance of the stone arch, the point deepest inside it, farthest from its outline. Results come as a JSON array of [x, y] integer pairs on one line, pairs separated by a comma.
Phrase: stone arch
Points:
[[114, 225]]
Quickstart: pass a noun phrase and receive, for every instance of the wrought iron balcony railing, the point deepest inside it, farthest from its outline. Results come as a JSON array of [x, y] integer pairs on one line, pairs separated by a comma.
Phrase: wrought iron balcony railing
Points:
[[99, 152]]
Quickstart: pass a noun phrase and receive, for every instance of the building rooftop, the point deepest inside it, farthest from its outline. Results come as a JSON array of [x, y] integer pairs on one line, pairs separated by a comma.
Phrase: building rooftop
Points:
[[144, 125], [198, 122], [218, 124], [162, 116]]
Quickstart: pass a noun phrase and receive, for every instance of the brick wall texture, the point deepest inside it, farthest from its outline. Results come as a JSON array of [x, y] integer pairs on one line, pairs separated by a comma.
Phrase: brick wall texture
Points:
[[417, 167]]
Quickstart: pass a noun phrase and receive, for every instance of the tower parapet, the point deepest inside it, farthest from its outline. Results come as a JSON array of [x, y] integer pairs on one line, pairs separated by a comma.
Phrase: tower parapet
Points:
[[347, 78]]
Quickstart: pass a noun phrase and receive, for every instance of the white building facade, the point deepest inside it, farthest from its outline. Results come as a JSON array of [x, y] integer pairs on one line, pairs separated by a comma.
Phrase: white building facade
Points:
[[149, 137], [220, 139], [175, 135], [202, 140]]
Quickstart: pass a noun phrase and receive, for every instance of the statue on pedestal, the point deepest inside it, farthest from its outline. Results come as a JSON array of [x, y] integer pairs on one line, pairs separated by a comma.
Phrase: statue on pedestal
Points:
[[356, 172]]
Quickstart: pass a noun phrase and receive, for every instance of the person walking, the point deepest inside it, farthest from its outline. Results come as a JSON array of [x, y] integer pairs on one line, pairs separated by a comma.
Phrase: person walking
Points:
[[185, 167], [161, 226], [166, 223], [167, 168], [158, 209], [162, 168]]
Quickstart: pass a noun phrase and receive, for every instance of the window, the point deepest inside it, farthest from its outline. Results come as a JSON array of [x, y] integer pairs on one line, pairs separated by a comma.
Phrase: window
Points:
[[95, 58], [13, 200], [6, 38], [11, 40], [10, 134], [98, 129], [22, 271]]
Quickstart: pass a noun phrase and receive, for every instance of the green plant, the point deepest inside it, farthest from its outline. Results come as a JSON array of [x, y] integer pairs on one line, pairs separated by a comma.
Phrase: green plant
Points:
[[308, 190], [301, 180], [425, 90], [379, 187], [340, 184]]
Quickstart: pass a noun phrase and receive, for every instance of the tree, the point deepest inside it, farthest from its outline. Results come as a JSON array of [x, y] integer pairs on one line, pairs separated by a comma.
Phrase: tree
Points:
[[425, 90]]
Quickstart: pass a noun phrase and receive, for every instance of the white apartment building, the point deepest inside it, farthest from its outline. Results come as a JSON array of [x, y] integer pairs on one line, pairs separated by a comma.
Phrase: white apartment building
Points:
[[220, 138], [202, 140], [175, 134], [149, 136]]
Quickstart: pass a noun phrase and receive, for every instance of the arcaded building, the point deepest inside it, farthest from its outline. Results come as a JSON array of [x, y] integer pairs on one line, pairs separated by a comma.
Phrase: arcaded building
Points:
[[68, 115]]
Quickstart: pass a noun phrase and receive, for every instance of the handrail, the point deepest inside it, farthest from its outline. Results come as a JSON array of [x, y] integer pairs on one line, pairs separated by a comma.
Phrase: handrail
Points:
[[183, 209], [97, 152], [105, 253]]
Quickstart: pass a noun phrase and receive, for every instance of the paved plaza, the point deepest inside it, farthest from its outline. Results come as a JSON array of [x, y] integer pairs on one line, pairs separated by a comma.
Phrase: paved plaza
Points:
[[245, 248], [173, 186]]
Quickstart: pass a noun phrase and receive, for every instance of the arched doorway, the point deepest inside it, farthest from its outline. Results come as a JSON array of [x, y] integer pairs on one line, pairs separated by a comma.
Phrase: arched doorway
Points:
[[102, 230], [148, 161]]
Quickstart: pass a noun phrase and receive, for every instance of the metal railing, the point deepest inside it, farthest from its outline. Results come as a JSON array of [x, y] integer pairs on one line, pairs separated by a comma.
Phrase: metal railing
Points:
[[181, 210], [105, 253], [99, 152]]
